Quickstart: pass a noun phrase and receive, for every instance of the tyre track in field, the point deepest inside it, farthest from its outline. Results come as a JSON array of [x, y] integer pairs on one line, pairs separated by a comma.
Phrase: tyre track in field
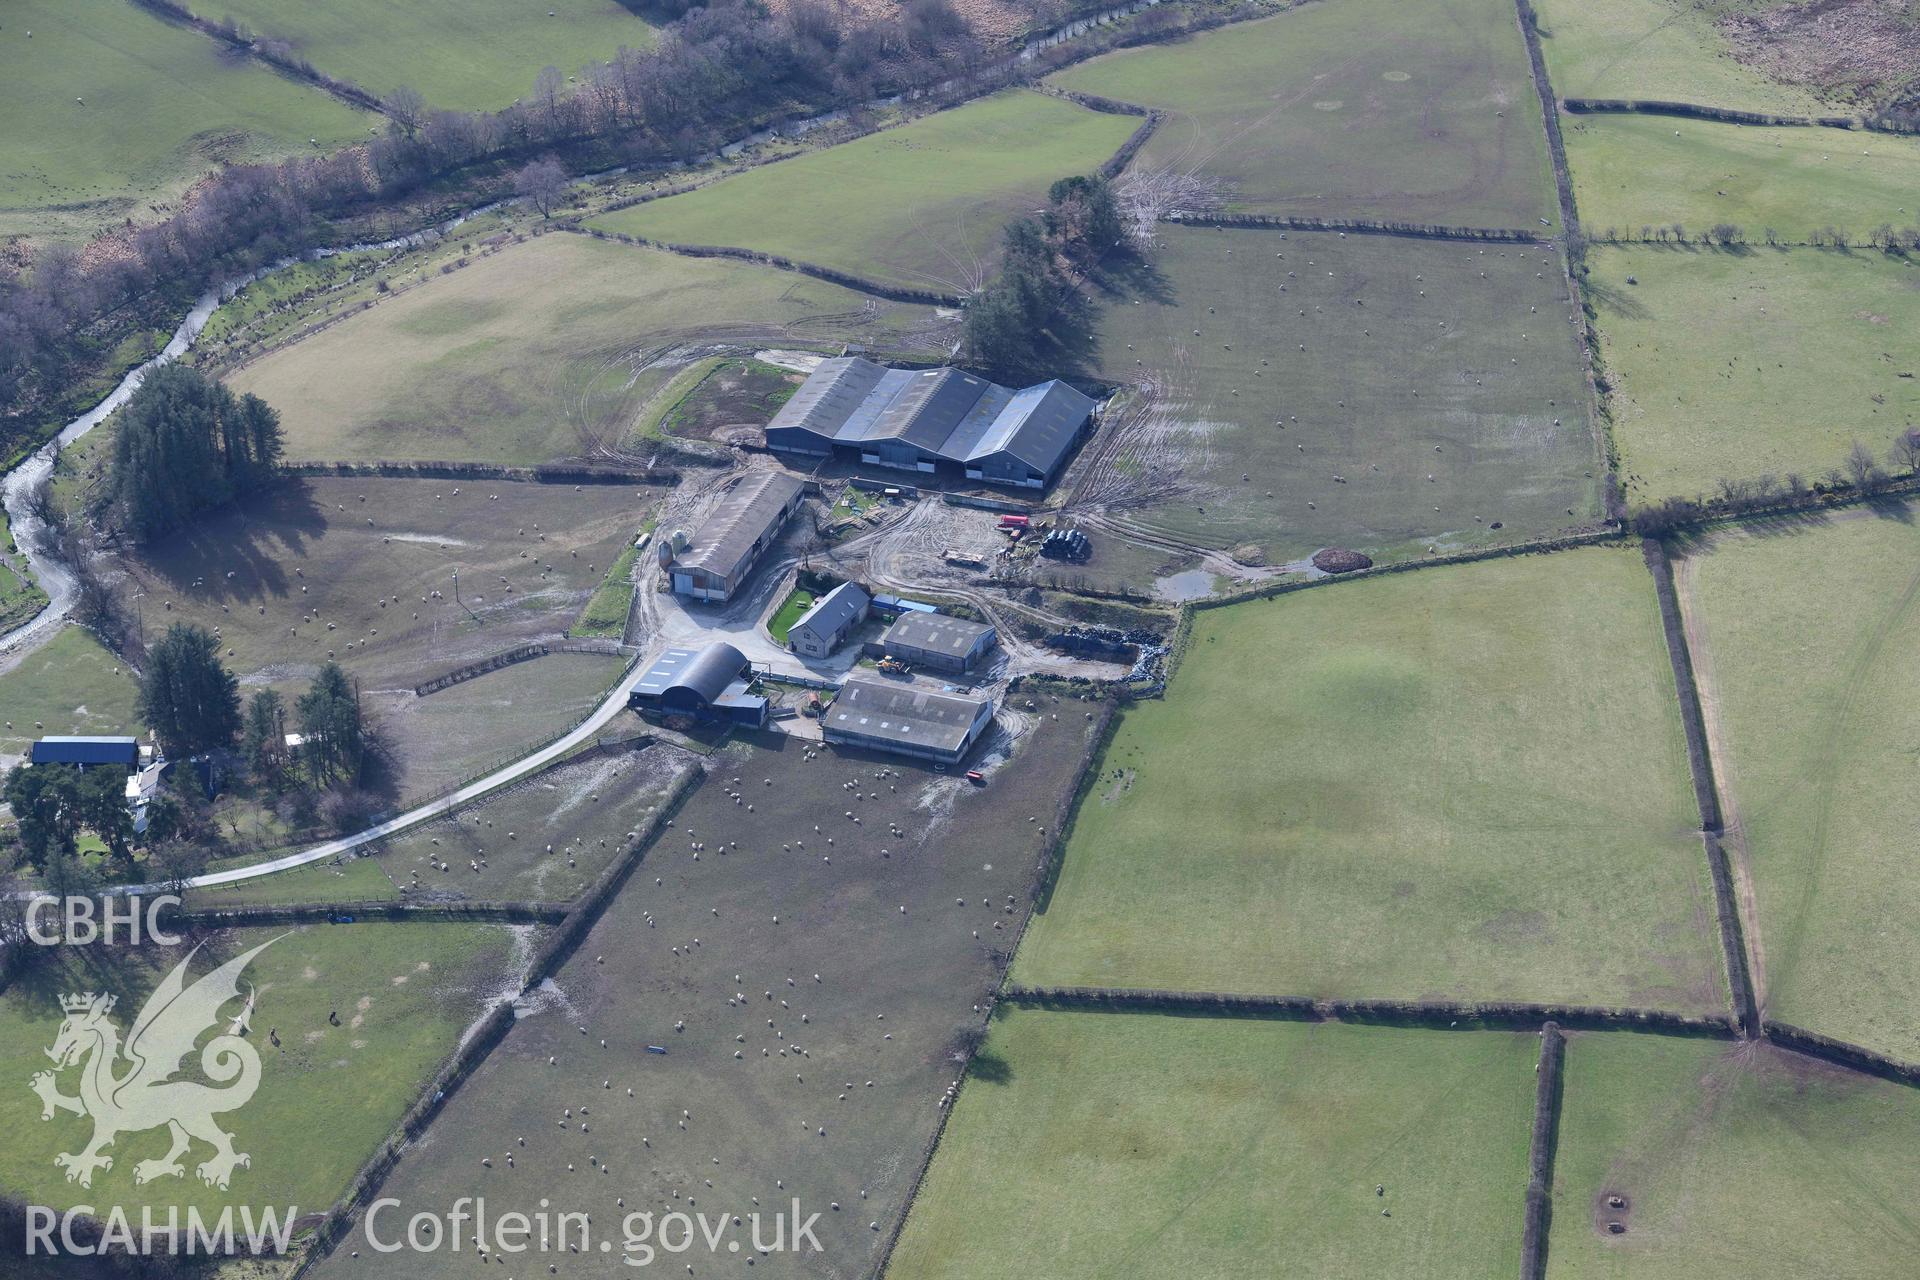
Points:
[[1828, 761], [1733, 831], [1829, 757]]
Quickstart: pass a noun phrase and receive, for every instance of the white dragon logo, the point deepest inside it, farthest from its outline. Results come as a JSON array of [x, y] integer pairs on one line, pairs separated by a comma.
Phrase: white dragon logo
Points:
[[145, 1097]]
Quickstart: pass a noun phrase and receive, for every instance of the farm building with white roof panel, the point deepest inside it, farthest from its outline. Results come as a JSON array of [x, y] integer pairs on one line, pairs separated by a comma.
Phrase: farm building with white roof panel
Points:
[[926, 419]]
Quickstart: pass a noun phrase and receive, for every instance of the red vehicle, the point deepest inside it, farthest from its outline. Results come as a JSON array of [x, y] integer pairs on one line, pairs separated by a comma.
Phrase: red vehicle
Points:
[[977, 778], [1015, 522]]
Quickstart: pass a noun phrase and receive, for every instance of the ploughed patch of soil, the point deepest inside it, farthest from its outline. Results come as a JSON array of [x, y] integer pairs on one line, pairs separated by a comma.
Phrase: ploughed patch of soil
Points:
[[1865, 49]]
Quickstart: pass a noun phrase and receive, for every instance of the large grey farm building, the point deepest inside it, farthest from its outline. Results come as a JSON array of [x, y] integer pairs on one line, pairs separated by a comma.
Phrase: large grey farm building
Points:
[[939, 641], [906, 720], [721, 554], [929, 420]]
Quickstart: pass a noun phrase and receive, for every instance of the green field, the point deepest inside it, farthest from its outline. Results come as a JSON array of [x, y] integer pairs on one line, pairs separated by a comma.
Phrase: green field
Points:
[[339, 880], [327, 1094], [69, 685], [607, 610], [110, 109], [1102, 1145], [1806, 644], [922, 204], [462, 55], [548, 349], [1424, 374], [1735, 365], [1346, 110], [1465, 783], [1667, 50], [1733, 1160], [1631, 172]]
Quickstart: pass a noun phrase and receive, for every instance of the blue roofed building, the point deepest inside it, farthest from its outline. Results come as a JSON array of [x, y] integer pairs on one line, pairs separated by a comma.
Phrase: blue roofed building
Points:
[[932, 420], [84, 751]]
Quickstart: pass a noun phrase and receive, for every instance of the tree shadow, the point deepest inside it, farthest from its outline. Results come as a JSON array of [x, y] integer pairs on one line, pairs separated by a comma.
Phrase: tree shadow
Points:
[[235, 555], [990, 1068], [1616, 299]]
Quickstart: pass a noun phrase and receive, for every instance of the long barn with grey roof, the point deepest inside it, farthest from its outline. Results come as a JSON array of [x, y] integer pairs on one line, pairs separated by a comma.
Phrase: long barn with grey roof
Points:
[[907, 720], [723, 551], [929, 420]]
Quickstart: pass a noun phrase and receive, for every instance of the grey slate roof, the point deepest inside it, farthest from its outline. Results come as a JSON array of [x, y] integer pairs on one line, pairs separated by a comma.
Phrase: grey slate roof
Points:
[[744, 514], [903, 713], [833, 610], [936, 633], [949, 413]]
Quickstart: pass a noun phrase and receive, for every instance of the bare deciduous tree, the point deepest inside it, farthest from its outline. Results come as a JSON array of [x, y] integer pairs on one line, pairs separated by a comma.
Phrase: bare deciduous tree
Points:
[[1862, 470], [406, 108], [1906, 450], [541, 182]]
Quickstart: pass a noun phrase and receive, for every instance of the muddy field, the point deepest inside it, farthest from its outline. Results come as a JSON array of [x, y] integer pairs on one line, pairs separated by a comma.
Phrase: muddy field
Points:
[[543, 840], [810, 999], [362, 571], [1293, 390]]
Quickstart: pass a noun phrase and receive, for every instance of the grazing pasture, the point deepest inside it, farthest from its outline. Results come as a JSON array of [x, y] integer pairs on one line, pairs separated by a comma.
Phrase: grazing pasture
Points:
[[453, 736], [72, 684], [811, 1001], [1300, 389], [364, 1014], [1104, 1145], [1804, 639], [544, 839], [1345, 110], [552, 348], [469, 55], [1733, 365], [1631, 172], [111, 110], [1466, 783], [922, 204], [1717, 1150]]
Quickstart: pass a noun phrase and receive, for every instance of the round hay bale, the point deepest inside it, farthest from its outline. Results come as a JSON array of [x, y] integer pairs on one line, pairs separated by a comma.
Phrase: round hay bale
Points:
[[1340, 560]]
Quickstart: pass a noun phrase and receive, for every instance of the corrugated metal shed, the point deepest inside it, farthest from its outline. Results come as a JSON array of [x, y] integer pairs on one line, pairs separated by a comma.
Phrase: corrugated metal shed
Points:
[[935, 633], [947, 413], [705, 672], [1037, 426]]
